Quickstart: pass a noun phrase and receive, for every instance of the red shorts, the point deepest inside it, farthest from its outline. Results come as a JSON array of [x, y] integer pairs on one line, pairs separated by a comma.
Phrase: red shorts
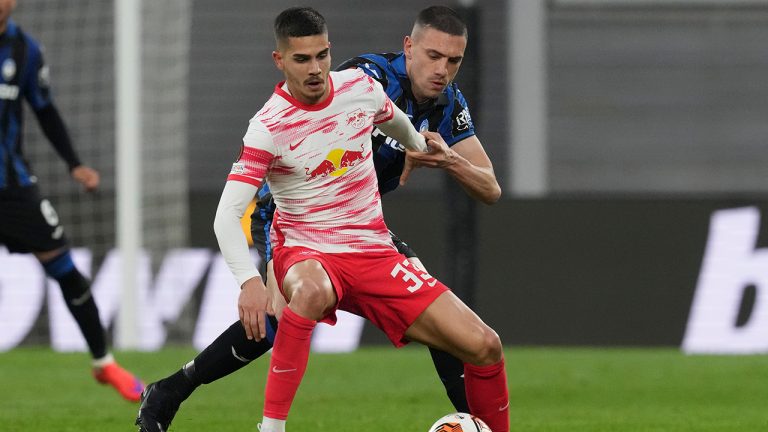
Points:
[[383, 287]]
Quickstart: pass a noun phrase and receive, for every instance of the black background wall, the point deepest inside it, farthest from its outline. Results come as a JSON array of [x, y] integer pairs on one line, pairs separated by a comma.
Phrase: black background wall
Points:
[[570, 271]]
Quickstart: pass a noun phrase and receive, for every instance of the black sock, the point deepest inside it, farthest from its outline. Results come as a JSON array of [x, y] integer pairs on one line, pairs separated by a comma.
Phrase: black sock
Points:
[[180, 384], [451, 372], [77, 295], [228, 353]]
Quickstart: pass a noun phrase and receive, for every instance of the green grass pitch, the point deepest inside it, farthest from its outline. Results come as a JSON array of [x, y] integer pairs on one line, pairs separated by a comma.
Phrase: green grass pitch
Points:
[[381, 388]]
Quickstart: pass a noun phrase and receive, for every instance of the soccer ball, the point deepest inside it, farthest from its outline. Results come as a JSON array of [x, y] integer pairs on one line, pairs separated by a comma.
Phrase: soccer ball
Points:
[[459, 422]]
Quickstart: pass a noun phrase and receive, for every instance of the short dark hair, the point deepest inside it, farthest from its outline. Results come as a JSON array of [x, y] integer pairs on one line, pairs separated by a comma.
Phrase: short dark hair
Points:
[[299, 22], [444, 19]]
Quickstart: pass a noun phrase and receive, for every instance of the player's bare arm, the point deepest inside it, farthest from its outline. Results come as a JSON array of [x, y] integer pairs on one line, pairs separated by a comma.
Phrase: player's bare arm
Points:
[[466, 161]]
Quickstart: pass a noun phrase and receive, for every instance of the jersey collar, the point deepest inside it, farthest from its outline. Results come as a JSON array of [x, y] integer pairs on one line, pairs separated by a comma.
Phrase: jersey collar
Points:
[[301, 105]]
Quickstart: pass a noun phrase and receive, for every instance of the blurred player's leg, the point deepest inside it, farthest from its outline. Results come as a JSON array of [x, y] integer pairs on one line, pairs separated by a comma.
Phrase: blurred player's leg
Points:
[[77, 295], [231, 351]]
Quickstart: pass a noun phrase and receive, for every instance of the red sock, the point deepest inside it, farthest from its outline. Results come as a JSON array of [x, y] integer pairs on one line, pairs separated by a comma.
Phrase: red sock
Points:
[[289, 361], [487, 394]]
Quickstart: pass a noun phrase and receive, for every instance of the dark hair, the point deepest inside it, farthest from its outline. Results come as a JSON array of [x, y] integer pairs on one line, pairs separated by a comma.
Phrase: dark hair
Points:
[[444, 19], [298, 22]]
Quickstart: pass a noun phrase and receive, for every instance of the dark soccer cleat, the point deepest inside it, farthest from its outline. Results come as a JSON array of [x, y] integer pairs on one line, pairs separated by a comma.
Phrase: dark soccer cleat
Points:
[[158, 407]]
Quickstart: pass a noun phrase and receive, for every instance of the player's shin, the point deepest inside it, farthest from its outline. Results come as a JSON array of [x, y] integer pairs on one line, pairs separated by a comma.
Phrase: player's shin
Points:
[[228, 353], [487, 394], [76, 290], [289, 361], [451, 372]]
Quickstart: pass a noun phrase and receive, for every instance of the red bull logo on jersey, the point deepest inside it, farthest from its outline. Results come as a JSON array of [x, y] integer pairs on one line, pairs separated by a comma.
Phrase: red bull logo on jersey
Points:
[[356, 119], [335, 164]]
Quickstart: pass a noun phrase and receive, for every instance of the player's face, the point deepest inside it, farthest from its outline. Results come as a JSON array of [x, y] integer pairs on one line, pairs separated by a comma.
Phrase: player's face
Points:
[[6, 7], [305, 62], [432, 61]]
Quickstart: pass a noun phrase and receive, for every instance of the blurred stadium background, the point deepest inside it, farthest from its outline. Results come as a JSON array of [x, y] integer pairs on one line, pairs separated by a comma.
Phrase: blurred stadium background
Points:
[[629, 137]]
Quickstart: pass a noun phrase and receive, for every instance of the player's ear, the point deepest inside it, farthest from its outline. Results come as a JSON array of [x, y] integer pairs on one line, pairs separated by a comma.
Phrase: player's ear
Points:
[[277, 57], [407, 45]]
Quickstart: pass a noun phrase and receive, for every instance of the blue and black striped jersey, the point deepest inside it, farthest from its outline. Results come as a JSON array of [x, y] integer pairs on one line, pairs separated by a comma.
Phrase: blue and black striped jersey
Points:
[[24, 75], [448, 114]]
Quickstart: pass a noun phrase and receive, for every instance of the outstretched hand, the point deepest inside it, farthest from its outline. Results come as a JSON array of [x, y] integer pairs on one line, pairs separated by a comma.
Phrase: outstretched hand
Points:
[[254, 302], [86, 176], [438, 156]]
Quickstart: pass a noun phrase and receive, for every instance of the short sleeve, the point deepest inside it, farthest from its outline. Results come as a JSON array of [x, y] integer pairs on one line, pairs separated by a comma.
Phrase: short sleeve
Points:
[[460, 125], [37, 90], [256, 155]]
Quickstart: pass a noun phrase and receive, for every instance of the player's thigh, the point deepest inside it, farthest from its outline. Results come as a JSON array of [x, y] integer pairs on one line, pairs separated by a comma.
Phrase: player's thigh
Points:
[[450, 325], [29, 223]]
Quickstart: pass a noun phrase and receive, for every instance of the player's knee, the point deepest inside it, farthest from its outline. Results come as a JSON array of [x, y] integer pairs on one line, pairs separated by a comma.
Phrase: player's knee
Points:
[[488, 349], [312, 299]]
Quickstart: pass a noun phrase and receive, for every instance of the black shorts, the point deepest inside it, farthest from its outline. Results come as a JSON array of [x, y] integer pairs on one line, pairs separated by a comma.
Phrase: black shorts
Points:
[[28, 222]]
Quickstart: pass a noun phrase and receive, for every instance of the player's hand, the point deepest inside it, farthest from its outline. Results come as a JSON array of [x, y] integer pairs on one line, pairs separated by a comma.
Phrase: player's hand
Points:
[[253, 303], [438, 156], [86, 176]]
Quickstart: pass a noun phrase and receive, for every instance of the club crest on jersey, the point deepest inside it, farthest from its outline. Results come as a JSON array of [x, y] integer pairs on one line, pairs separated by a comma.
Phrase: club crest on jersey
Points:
[[463, 120], [335, 164], [9, 69], [356, 119]]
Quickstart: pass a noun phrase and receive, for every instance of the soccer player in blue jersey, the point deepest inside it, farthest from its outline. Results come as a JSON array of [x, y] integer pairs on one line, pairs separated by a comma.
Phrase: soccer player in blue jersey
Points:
[[420, 82], [28, 221]]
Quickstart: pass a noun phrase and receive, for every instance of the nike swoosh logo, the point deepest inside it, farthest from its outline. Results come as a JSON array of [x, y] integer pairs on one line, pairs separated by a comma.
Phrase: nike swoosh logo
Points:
[[293, 147], [504, 407], [239, 357], [276, 370], [82, 299]]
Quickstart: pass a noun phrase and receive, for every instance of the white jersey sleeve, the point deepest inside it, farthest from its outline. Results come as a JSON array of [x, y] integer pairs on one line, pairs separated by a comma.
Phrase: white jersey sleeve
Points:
[[246, 176], [394, 122]]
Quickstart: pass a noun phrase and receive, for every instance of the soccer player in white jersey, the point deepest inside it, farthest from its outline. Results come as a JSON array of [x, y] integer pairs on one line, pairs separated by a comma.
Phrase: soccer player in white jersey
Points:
[[311, 143]]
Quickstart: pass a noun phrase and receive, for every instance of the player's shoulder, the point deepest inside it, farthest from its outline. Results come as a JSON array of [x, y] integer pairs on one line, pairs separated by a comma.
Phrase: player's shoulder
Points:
[[348, 78], [14, 32], [385, 68], [452, 93]]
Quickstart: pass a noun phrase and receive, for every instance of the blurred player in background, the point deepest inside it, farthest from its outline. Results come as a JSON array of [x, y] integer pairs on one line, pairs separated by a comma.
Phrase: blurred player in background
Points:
[[28, 222], [419, 80]]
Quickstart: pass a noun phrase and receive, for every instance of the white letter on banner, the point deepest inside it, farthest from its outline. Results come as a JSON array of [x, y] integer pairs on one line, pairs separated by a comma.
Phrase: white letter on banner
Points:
[[730, 264], [22, 283], [343, 337], [175, 283]]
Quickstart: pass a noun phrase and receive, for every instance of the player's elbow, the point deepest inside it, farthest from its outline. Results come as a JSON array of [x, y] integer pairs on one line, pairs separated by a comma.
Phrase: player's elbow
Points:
[[492, 194], [220, 223]]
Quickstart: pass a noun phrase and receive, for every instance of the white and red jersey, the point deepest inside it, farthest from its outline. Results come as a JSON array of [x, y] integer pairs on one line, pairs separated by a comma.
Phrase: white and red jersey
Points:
[[318, 162]]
